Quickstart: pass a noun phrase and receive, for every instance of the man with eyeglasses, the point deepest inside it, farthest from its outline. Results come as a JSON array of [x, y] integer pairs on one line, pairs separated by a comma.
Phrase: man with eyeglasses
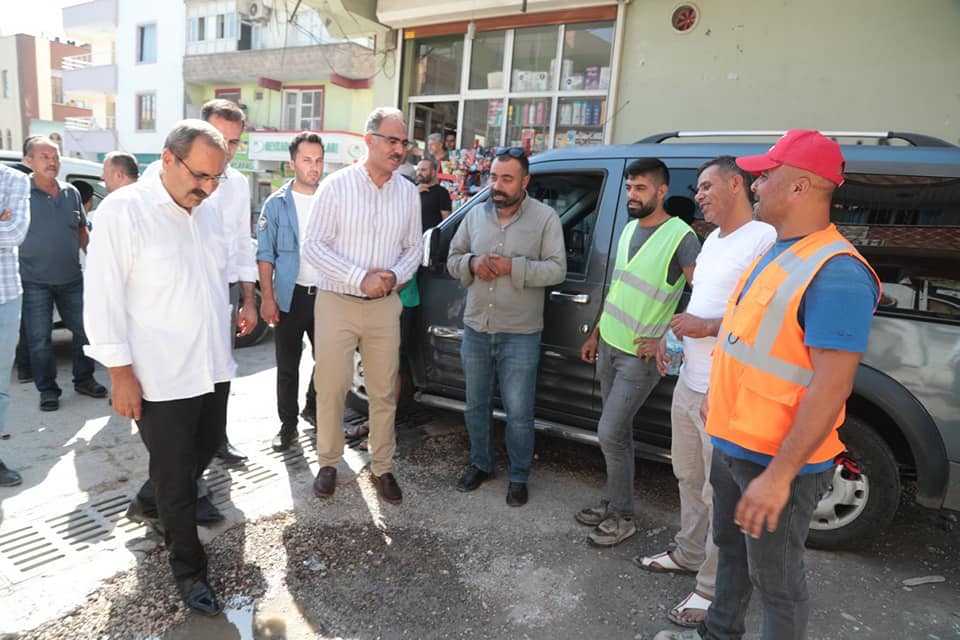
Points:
[[157, 304], [364, 241], [505, 254]]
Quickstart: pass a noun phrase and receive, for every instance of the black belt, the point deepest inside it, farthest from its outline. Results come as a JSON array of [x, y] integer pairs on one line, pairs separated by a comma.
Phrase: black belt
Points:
[[310, 291], [350, 295]]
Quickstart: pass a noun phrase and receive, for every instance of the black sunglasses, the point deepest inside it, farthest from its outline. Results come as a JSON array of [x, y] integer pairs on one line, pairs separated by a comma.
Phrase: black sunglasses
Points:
[[513, 152]]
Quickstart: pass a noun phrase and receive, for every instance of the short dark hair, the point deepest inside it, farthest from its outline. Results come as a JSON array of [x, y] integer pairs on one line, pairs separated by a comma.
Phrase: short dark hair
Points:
[[224, 108], [86, 191], [652, 167], [300, 138], [728, 165], [433, 163], [507, 154], [124, 161]]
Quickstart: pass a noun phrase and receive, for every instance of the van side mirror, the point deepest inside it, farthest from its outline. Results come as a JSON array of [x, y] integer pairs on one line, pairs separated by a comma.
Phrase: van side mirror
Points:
[[431, 242]]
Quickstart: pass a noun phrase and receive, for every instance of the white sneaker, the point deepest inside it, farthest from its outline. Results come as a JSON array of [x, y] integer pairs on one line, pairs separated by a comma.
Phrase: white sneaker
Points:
[[669, 634]]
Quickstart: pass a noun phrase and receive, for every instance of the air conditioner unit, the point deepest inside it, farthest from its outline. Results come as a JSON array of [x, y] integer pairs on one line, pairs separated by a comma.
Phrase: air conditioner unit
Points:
[[255, 10]]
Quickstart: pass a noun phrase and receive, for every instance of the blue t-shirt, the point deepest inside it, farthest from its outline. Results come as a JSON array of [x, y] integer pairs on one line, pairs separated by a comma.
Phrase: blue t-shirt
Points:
[[835, 313]]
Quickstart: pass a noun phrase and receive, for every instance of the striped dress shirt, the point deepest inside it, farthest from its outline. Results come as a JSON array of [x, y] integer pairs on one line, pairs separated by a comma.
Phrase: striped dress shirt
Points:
[[15, 197], [357, 226]]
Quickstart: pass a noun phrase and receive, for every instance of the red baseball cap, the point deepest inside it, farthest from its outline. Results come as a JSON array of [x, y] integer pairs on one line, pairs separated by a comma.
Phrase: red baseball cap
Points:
[[803, 149]]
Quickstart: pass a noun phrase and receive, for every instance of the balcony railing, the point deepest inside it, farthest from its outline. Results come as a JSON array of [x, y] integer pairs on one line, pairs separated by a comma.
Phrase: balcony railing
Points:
[[84, 60], [89, 123]]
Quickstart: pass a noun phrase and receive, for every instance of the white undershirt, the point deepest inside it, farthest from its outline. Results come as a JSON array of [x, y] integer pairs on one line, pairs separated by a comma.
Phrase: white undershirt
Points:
[[719, 266], [307, 276]]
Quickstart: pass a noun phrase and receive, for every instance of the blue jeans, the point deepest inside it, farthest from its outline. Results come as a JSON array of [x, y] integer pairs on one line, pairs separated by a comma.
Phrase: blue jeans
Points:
[[625, 383], [38, 301], [771, 564], [9, 332], [513, 358]]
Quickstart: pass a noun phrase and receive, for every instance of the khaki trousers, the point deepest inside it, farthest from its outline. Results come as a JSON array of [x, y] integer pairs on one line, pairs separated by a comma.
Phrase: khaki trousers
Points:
[[341, 324], [692, 452]]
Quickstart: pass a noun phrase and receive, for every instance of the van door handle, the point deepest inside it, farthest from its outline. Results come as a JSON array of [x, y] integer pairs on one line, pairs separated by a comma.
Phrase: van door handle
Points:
[[576, 298]]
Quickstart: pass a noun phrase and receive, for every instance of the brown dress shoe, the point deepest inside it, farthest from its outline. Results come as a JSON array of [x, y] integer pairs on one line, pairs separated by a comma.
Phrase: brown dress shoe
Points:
[[325, 482], [388, 488]]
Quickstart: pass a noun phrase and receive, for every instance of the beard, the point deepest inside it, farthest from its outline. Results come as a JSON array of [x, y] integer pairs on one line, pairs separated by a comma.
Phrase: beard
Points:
[[644, 210], [507, 200]]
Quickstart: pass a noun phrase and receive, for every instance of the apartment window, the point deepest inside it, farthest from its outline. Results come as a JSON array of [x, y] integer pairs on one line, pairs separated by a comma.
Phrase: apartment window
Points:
[[56, 88], [233, 95], [221, 26], [147, 43], [201, 28], [303, 109], [6, 84], [9, 140], [147, 112]]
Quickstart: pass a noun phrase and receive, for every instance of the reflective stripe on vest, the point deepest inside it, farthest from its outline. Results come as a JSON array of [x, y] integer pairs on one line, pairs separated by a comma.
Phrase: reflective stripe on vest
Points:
[[759, 355], [641, 301]]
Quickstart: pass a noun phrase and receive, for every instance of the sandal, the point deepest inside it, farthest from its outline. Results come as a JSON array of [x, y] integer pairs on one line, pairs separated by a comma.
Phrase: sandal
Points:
[[364, 445], [357, 431], [660, 563], [693, 602]]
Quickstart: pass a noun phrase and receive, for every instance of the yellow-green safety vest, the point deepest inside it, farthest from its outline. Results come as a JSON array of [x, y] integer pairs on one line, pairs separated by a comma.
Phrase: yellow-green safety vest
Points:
[[641, 301]]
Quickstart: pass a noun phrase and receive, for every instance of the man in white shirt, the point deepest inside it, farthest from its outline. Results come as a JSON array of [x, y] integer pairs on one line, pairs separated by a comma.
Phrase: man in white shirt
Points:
[[364, 240], [155, 248], [723, 193], [231, 201], [289, 284]]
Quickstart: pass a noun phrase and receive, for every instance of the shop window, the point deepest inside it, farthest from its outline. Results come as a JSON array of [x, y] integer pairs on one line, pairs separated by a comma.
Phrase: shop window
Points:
[[586, 57], [534, 51], [580, 121], [482, 123], [437, 65], [486, 60], [303, 110], [147, 112], [147, 43], [529, 123]]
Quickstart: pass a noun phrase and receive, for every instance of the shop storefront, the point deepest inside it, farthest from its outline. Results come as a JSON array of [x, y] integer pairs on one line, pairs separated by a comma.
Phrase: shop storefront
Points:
[[538, 81]]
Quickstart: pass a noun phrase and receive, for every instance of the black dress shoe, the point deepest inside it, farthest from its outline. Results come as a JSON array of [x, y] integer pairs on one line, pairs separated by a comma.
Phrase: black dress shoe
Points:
[[207, 513], [284, 438], [91, 388], [517, 494], [137, 513], [50, 400], [229, 454], [325, 482], [388, 488], [473, 478], [200, 597], [309, 414], [9, 477]]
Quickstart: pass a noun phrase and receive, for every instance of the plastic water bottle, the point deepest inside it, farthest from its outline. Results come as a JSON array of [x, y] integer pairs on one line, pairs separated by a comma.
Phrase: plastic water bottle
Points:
[[674, 353]]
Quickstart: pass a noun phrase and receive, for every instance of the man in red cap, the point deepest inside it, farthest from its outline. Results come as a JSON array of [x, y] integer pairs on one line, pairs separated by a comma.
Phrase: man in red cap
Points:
[[786, 355]]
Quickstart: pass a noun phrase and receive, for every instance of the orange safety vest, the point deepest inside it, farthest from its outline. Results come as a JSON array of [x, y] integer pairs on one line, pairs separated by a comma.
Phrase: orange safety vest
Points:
[[761, 368]]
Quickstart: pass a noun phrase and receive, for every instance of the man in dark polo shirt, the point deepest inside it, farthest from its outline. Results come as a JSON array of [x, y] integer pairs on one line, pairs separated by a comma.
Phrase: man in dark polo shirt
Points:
[[434, 199], [50, 271]]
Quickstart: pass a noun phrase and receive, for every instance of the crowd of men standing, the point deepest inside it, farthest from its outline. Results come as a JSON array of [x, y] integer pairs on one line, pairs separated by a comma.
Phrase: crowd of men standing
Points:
[[337, 259]]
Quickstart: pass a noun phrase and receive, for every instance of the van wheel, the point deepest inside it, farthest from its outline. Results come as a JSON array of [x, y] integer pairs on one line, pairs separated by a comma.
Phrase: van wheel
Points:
[[856, 507], [259, 332], [357, 396]]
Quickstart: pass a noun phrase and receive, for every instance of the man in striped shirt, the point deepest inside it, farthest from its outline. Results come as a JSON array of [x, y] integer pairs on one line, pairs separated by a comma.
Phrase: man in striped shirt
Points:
[[364, 241], [14, 222]]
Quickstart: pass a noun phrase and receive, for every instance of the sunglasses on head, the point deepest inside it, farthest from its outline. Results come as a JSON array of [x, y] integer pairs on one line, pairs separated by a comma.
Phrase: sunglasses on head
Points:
[[513, 152]]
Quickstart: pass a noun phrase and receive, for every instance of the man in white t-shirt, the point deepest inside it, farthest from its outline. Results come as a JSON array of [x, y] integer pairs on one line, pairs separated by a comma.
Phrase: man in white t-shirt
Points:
[[288, 285], [723, 193]]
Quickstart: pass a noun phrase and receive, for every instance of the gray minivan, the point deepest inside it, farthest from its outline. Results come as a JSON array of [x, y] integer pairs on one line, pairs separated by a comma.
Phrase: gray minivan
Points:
[[900, 205]]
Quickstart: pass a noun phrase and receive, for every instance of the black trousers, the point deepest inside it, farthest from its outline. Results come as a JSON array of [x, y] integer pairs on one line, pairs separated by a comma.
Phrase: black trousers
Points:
[[181, 437], [288, 342]]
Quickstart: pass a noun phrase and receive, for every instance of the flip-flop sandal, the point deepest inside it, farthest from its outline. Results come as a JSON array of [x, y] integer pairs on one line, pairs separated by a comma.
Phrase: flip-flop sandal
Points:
[[357, 431], [364, 445], [693, 602], [660, 563]]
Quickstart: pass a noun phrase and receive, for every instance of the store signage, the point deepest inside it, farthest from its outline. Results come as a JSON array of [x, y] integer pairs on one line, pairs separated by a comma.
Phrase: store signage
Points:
[[339, 147]]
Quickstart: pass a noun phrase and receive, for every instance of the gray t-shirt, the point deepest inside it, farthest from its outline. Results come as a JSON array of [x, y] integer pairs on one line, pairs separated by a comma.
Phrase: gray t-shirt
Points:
[[684, 256], [50, 254]]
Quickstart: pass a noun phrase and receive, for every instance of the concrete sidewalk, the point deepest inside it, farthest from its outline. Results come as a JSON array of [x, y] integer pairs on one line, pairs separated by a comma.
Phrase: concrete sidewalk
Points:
[[63, 531]]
